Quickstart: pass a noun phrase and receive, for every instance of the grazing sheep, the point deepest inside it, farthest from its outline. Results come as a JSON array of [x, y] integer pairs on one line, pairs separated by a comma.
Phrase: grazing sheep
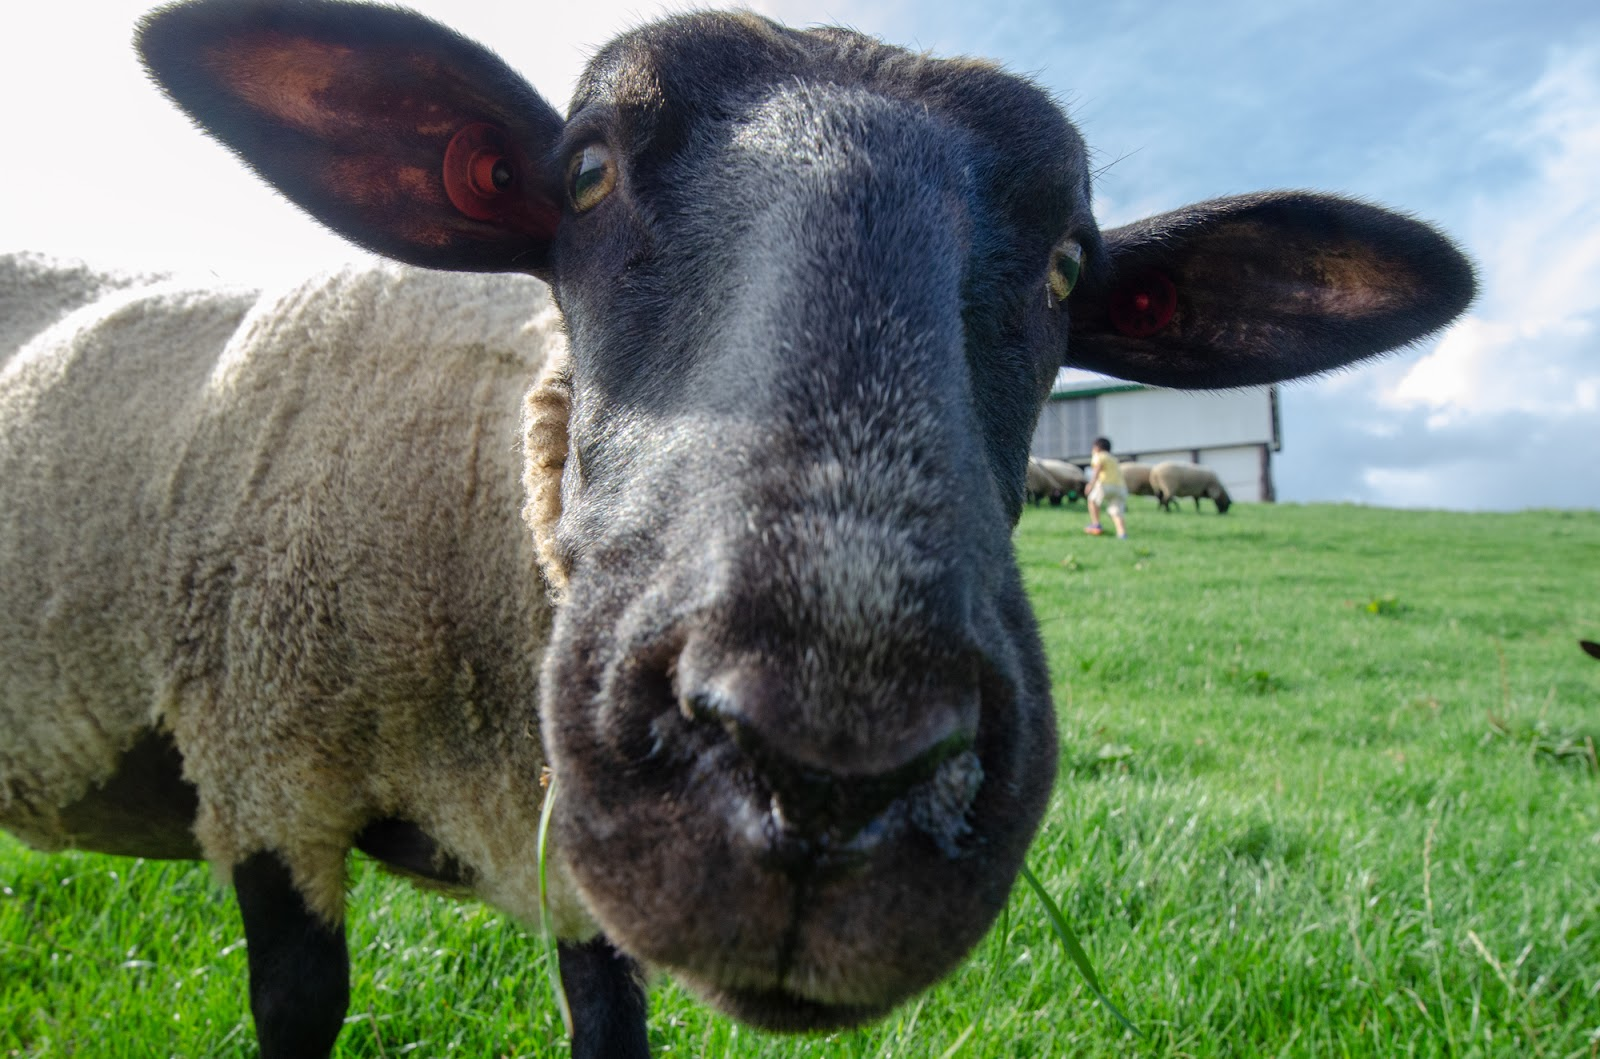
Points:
[[1069, 479], [281, 571], [1170, 480], [1137, 478], [1039, 484]]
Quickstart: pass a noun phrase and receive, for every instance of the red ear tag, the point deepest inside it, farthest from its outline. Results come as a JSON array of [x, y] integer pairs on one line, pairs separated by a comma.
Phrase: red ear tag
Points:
[[1143, 304], [477, 172]]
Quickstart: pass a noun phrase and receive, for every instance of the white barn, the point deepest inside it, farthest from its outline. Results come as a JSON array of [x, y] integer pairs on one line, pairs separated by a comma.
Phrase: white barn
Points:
[[1234, 432]]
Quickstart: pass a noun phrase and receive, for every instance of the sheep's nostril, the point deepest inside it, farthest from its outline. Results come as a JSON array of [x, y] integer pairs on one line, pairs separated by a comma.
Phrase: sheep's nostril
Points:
[[814, 802]]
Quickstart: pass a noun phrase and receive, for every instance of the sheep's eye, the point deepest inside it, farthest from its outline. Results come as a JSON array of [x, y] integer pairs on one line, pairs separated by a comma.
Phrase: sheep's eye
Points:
[[591, 176], [1066, 262]]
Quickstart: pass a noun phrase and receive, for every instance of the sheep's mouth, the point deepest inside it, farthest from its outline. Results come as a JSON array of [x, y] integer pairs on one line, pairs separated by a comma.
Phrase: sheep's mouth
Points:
[[796, 932], [687, 857], [832, 889]]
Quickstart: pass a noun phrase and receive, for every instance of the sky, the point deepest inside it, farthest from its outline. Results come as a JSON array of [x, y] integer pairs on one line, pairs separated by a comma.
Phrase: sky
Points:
[[1482, 117]]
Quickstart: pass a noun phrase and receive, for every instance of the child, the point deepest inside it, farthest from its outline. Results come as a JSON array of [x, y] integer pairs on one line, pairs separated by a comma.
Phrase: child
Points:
[[1107, 488]]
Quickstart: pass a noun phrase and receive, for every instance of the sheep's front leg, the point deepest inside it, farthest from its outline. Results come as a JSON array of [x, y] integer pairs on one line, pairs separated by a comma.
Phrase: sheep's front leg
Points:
[[606, 999], [299, 968]]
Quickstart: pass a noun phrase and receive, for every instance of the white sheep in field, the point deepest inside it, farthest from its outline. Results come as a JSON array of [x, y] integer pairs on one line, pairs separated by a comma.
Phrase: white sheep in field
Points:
[[1170, 480], [1069, 478], [1136, 476], [725, 545], [1039, 483], [1056, 480]]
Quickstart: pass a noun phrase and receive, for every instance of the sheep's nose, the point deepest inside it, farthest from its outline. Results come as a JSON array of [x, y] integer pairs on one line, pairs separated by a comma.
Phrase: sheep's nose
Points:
[[824, 784]]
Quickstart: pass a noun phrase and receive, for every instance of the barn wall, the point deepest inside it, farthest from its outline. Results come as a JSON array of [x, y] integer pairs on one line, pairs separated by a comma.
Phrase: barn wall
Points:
[[1066, 429], [1153, 458], [1177, 420], [1239, 468]]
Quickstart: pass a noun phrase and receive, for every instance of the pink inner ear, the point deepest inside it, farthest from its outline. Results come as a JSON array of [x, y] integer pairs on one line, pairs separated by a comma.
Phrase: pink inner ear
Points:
[[469, 164], [1143, 304]]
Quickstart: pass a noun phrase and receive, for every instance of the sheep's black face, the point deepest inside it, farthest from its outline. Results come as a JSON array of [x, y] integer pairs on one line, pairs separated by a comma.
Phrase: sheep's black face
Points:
[[795, 699]]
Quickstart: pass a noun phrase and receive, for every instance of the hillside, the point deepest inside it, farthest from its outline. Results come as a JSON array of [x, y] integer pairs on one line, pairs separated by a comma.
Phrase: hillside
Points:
[[1329, 787]]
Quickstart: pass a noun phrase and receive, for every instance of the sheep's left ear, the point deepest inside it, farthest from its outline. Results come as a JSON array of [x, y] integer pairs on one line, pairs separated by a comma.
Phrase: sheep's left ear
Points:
[[1261, 288], [394, 131]]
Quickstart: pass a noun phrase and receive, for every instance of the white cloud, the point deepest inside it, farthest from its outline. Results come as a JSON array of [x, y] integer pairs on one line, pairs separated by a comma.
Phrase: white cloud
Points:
[[1487, 366], [1531, 343], [1404, 487]]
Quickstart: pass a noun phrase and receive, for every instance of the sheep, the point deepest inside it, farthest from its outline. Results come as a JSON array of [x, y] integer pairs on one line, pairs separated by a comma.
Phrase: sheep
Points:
[[1055, 479], [1171, 479], [717, 531], [1136, 476], [1039, 483], [1069, 479]]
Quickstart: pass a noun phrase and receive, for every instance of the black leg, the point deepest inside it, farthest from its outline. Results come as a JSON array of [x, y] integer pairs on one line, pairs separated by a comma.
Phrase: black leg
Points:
[[299, 969], [607, 1001]]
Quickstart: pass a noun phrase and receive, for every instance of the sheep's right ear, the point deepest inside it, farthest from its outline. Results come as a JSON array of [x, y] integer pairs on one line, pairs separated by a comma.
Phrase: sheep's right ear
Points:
[[396, 132]]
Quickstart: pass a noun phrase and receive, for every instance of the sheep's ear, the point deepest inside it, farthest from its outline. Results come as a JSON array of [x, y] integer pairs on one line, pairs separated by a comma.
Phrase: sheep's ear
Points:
[[1261, 288], [394, 131]]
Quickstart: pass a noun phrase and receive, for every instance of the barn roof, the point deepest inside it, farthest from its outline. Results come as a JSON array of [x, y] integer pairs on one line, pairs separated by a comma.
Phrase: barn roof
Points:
[[1075, 383]]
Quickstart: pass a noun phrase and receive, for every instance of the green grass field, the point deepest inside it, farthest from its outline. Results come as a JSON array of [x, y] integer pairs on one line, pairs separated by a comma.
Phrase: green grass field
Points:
[[1328, 788]]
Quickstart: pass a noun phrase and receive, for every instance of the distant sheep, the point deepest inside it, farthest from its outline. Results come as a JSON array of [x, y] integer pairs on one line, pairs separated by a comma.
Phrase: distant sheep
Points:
[[1136, 476], [1040, 484], [1170, 480], [725, 546], [1068, 478]]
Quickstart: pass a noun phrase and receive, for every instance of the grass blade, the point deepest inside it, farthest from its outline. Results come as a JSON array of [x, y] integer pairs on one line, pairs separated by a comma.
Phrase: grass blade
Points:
[[552, 959], [1069, 941]]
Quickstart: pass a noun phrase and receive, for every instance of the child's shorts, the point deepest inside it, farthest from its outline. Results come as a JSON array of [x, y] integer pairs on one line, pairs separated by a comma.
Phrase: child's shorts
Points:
[[1113, 499]]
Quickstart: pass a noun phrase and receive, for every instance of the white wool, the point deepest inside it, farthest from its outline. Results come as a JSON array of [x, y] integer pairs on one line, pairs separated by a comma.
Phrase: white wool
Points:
[[1174, 479], [285, 527], [38, 291], [1136, 476], [1068, 476]]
